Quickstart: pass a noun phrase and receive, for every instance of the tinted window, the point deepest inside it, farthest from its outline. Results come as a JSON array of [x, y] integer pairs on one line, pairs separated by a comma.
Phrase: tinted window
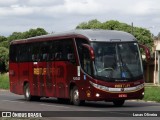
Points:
[[13, 53], [63, 50], [34, 52], [19, 53], [44, 51], [23, 53]]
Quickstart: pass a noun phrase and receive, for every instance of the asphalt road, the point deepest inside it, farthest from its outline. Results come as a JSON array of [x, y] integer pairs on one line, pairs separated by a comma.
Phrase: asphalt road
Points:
[[89, 111]]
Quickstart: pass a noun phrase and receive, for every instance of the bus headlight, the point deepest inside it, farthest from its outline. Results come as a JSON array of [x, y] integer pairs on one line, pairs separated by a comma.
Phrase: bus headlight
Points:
[[101, 87]]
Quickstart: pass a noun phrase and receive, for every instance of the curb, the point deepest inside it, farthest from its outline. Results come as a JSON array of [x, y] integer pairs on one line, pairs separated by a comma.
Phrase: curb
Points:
[[4, 90], [144, 101]]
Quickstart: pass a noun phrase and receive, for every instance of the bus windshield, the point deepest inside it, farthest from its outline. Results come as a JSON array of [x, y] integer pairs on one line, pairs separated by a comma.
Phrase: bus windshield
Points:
[[117, 61]]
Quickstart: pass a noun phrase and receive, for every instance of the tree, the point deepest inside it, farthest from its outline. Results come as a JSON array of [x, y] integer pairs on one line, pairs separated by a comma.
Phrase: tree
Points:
[[2, 38], [4, 52], [35, 32], [15, 36], [142, 35], [27, 34], [94, 24], [3, 42], [111, 25]]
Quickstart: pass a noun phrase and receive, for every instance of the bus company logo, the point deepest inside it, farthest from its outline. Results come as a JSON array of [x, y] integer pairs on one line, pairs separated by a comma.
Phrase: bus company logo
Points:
[[44, 71], [6, 114], [122, 89]]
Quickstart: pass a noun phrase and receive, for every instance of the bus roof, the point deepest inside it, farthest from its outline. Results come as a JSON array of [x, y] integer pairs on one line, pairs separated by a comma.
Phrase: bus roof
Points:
[[90, 34], [106, 35]]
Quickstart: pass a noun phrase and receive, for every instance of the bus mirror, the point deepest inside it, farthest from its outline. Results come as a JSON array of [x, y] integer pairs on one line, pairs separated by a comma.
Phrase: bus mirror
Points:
[[91, 51], [147, 52]]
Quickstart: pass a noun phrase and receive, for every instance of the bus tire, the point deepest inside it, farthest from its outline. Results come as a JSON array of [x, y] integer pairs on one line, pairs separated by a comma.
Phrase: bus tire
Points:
[[118, 103], [75, 97], [71, 96], [27, 94]]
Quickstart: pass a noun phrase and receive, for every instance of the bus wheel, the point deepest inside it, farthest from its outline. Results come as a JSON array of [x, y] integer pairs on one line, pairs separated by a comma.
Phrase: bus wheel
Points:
[[27, 94], [118, 103], [75, 97]]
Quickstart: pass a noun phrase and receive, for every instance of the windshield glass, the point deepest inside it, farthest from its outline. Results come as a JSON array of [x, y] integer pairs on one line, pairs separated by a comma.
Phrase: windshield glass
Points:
[[117, 61]]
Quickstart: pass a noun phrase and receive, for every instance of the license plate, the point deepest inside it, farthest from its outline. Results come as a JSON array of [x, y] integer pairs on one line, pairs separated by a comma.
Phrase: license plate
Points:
[[122, 95]]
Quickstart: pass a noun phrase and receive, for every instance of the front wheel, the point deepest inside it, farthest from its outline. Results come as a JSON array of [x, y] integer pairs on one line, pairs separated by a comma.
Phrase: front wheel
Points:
[[75, 97], [118, 103]]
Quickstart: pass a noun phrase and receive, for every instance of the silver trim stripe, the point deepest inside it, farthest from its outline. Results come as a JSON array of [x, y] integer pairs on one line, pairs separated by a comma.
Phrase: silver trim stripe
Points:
[[117, 90]]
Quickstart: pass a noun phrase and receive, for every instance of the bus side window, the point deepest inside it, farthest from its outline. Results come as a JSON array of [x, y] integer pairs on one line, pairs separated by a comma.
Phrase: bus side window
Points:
[[23, 53], [58, 50], [13, 53], [34, 52], [44, 51], [69, 51]]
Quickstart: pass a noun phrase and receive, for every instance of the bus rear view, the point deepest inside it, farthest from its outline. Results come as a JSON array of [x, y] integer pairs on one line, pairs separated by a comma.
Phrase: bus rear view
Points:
[[103, 65]]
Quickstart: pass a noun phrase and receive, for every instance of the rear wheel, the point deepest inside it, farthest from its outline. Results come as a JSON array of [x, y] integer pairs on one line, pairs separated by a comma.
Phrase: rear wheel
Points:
[[27, 94], [75, 97], [118, 103]]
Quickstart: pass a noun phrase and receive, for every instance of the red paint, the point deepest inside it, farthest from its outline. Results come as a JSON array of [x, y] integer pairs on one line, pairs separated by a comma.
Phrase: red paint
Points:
[[53, 78]]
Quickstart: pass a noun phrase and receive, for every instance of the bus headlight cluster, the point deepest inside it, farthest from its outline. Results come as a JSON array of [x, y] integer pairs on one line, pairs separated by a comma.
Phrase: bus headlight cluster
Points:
[[117, 90], [140, 86], [101, 87]]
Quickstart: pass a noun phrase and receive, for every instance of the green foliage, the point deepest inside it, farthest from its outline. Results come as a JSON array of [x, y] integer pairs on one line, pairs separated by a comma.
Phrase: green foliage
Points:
[[4, 52], [142, 35], [4, 44], [4, 81], [92, 24], [27, 34], [2, 38], [152, 94]]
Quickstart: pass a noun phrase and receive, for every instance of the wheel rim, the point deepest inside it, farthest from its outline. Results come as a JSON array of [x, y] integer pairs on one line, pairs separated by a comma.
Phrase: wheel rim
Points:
[[76, 96], [27, 92]]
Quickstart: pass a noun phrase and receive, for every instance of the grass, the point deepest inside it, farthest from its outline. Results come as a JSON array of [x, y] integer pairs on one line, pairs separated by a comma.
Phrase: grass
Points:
[[152, 93], [4, 81]]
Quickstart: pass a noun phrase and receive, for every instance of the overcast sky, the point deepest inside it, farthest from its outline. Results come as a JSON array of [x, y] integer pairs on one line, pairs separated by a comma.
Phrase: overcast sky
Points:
[[63, 15]]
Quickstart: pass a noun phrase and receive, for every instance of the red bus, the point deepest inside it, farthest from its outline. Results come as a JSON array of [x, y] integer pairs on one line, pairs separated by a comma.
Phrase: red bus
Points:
[[79, 65]]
